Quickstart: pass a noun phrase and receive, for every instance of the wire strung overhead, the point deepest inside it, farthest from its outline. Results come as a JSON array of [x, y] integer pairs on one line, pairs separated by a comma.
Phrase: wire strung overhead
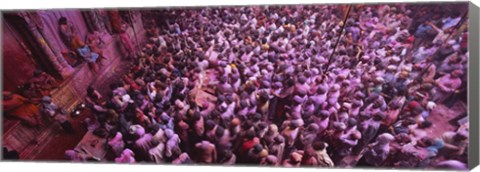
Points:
[[336, 43]]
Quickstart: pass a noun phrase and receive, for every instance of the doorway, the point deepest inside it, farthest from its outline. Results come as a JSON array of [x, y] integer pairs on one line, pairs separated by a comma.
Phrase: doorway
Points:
[[22, 53]]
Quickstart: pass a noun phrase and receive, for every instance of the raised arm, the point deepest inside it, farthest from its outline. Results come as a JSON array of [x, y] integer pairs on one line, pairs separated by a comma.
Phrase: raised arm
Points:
[[214, 153], [434, 27]]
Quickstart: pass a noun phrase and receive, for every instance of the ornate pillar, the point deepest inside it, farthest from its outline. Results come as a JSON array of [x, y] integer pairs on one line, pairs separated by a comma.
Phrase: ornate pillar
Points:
[[103, 17], [137, 24], [35, 25], [98, 20], [53, 44]]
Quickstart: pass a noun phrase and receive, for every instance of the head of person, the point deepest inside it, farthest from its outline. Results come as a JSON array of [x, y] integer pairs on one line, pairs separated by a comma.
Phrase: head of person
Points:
[[461, 136], [7, 95], [90, 90], [321, 90], [351, 122], [408, 121], [250, 134], [220, 131], [425, 124], [295, 157], [257, 148], [228, 154], [356, 135], [210, 124], [62, 21], [319, 145], [46, 99], [37, 73], [457, 73]]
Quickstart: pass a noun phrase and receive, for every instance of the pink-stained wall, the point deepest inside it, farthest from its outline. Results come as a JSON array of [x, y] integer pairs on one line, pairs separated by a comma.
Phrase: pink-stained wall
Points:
[[18, 65]]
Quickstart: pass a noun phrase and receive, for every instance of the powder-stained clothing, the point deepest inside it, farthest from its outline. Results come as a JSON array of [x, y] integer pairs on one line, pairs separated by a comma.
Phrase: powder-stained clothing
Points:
[[156, 153], [324, 159], [208, 153]]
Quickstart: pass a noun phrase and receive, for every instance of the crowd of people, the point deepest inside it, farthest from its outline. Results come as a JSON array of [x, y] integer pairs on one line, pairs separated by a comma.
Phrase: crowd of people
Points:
[[309, 85]]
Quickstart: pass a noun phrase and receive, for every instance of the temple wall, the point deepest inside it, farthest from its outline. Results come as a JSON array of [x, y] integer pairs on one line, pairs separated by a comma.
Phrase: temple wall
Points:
[[29, 141], [17, 61]]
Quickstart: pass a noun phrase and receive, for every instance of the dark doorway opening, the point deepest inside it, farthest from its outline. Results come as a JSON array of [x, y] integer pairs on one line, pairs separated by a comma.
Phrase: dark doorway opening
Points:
[[40, 58]]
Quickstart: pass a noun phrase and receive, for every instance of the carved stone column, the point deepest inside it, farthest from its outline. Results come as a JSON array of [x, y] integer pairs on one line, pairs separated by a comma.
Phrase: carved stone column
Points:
[[35, 25], [105, 20], [54, 45], [97, 17], [137, 24]]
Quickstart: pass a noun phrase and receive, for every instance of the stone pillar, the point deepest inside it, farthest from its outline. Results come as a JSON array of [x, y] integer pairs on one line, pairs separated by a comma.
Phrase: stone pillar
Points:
[[98, 18], [137, 24], [35, 25], [103, 17]]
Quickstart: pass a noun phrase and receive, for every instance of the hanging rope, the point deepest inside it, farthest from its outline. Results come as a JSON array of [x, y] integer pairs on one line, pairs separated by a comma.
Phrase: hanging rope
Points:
[[336, 43], [133, 27], [458, 24]]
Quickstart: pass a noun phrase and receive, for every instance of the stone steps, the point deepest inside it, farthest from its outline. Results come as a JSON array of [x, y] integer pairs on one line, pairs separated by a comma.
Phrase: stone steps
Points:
[[44, 137], [26, 140]]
